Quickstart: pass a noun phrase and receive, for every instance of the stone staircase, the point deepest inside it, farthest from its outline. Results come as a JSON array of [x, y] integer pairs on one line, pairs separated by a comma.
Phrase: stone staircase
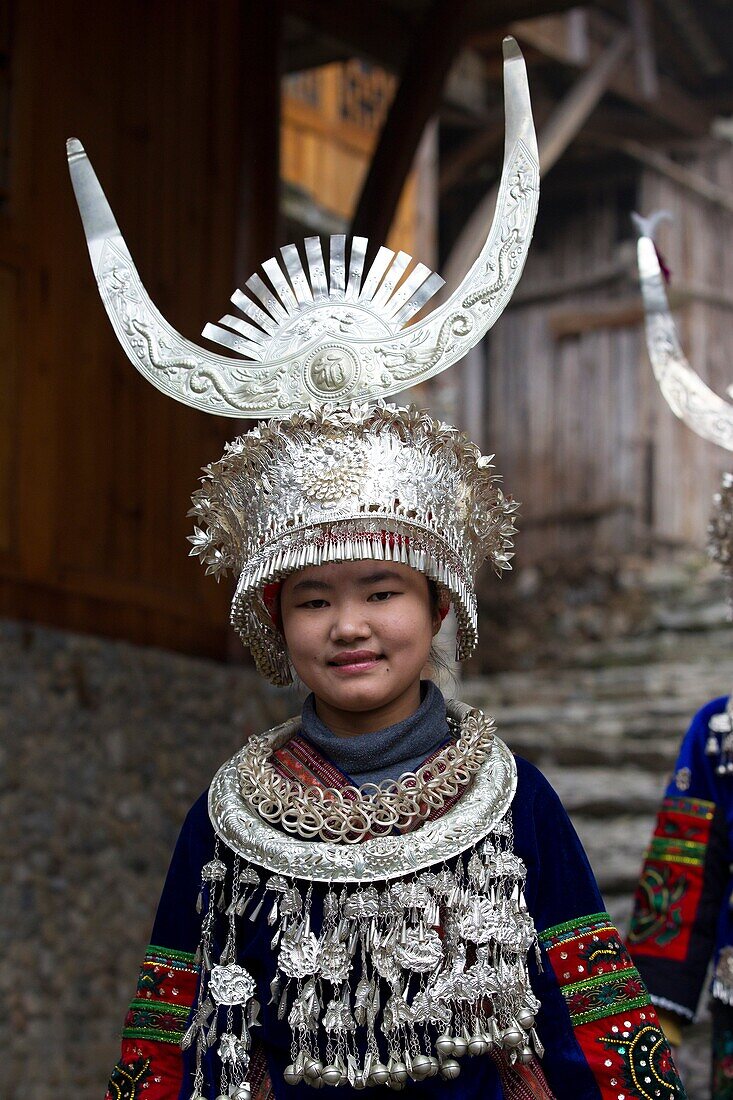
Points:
[[605, 730]]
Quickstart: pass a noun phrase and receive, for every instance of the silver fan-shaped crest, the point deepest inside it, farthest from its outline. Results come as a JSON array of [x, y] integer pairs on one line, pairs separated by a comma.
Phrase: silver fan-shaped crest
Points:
[[316, 337]]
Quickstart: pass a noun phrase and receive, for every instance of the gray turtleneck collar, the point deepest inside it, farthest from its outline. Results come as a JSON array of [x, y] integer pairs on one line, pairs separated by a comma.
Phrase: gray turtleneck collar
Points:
[[387, 753]]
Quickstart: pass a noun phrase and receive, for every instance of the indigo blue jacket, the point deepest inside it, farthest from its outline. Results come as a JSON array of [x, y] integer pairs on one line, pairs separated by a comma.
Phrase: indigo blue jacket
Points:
[[598, 1027]]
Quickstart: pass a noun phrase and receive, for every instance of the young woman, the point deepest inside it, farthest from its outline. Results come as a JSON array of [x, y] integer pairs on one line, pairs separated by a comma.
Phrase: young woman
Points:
[[378, 880], [375, 896]]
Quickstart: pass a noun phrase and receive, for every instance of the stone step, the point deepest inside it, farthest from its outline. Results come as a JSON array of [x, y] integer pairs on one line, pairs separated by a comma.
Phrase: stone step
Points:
[[615, 848], [594, 793]]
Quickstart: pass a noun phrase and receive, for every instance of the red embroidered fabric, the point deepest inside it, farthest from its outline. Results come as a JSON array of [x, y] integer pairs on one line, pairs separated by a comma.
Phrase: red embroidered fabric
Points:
[[671, 883], [150, 1063], [613, 1019]]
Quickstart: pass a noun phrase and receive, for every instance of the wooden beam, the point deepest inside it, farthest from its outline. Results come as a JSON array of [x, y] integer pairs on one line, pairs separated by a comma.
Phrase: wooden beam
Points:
[[627, 312], [476, 149], [418, 96], [617, 270], [697, 41], [685, 177], [568, 118], [562, 126], [640, 20], [258, 208], [581, 513], [383, 32], [487, 16], [671, 105], [576, 320], [374, 30]]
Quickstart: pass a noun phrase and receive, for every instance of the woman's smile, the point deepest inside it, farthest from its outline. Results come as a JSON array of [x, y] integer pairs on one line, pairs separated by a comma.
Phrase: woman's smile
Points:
[[355, 661]]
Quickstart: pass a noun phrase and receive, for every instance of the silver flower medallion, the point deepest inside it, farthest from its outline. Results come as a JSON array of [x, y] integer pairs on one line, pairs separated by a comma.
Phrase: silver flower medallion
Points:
[[231, 985]]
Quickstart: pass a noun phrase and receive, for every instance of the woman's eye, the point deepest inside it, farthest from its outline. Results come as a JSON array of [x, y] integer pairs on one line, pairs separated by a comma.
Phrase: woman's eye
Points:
[[379, 597], [315, 604]]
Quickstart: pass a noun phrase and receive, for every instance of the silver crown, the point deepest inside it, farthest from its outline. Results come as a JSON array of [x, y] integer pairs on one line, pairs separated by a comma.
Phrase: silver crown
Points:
[[340, 484]]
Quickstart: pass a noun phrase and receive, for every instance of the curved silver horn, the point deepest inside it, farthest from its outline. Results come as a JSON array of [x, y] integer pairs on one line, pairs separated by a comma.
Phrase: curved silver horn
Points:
[[337, 344], [685, 392]]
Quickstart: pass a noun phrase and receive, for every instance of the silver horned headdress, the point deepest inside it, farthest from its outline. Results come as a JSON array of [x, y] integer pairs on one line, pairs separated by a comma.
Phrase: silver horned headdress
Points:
[[689, 398], [330, 478]]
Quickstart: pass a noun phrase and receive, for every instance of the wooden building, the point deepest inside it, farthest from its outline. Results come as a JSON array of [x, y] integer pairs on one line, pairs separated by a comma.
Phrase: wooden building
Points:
[[570, 405], [182, 109]]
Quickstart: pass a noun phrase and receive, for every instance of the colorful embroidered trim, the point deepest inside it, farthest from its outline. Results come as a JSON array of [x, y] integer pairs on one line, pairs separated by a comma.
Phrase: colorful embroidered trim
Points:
[[605, 995], [162, 1024], [299, 760], [127, 1081], [151, 1065], [165, 992], [691, 852], [671, 881], [582, 926], [614, 1022]]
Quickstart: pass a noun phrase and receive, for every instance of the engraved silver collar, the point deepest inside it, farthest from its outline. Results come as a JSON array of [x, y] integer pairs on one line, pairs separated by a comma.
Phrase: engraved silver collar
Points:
[[473, 817]]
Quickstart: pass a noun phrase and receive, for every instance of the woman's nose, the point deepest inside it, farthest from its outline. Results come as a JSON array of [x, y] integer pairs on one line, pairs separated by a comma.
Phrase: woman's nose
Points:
[[349, 623]]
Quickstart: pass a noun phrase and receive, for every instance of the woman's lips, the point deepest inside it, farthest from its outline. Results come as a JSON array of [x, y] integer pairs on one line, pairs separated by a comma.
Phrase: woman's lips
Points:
[[360, 660]]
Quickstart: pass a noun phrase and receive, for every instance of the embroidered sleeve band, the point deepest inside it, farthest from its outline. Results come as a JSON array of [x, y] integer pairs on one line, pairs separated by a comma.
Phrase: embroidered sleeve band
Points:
[[614, 1021], [671, 882], [165, 992], [151, 1063]]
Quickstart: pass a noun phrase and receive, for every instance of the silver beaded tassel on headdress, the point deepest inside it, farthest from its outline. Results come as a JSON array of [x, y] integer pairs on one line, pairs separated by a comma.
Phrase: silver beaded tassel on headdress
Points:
[[400, 981]]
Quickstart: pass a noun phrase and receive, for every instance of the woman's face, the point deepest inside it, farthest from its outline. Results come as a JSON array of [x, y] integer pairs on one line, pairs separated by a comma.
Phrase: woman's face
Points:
[[358, 635]]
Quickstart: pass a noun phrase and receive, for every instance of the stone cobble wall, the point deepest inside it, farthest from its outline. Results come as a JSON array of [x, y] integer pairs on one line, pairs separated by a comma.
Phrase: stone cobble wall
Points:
[[105, 746]]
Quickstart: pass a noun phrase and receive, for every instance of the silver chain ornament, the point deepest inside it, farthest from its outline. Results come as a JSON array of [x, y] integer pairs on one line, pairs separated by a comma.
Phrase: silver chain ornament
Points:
[[391, 979]]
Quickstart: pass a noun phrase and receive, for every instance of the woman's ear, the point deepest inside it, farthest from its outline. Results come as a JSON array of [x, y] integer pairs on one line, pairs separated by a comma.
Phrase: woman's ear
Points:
[[440, 613]]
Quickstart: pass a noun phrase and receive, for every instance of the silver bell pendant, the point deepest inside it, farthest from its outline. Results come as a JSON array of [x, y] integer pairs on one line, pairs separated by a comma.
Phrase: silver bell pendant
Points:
[[332, 1075], [450, 1069], [292, 1075], [397, 1075], [379, 1075]]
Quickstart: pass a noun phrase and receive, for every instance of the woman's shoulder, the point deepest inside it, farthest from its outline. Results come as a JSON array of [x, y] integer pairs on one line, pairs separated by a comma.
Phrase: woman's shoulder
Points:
[[705, 713], [532, 782]]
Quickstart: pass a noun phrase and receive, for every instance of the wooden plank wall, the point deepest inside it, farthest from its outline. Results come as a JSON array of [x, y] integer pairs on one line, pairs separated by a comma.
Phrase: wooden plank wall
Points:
[[96, 467], [582, 436]]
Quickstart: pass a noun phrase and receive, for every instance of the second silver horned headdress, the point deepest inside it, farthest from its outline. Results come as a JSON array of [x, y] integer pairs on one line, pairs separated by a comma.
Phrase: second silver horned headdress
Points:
[[331, 478], [688, 396]]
